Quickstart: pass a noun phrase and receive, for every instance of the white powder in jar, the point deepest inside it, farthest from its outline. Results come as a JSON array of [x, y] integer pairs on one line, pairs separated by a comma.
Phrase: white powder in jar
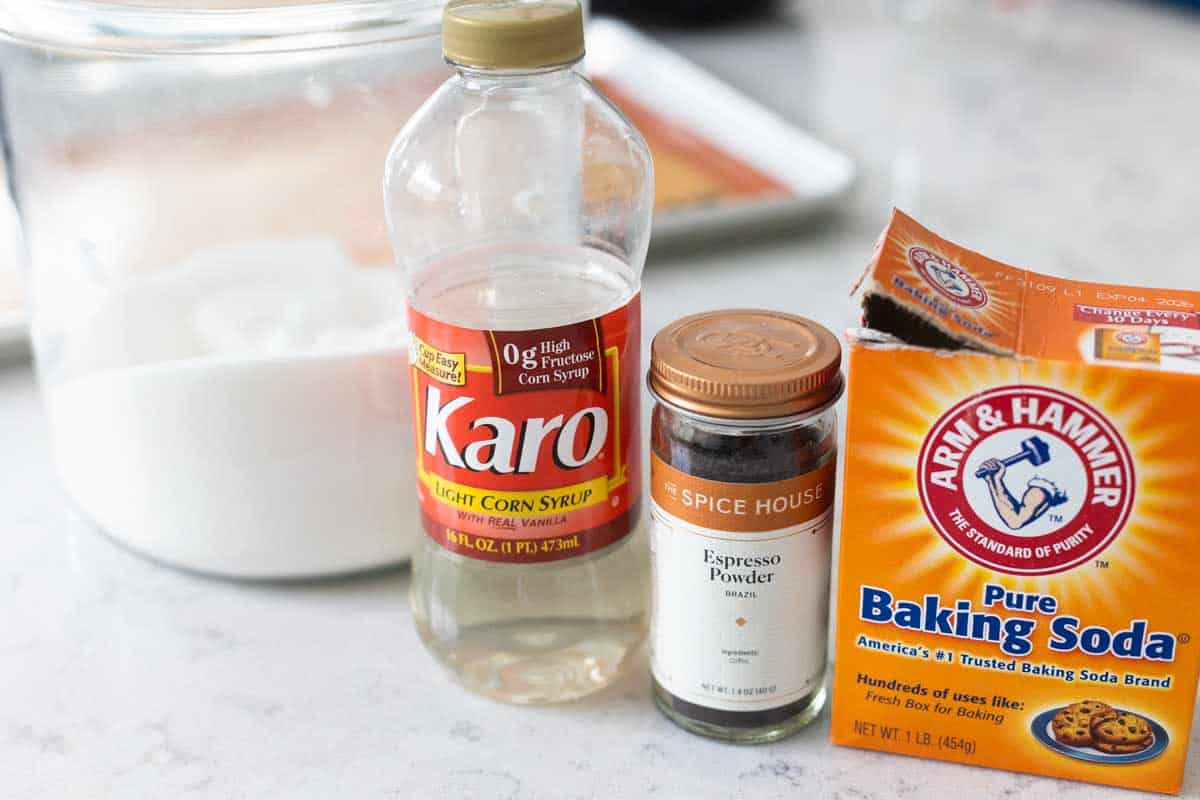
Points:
[[244, 413]]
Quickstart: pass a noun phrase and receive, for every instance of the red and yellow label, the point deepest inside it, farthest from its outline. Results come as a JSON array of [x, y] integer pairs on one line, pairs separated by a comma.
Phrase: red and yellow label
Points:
[[527, 441]]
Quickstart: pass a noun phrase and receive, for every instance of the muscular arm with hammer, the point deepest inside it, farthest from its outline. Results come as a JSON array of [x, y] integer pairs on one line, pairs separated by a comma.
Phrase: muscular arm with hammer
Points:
[[1015, 513], [1040, 495]]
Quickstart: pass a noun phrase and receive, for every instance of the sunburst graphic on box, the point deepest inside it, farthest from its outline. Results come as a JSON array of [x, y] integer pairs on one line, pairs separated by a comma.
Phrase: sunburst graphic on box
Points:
[[1146, 420]]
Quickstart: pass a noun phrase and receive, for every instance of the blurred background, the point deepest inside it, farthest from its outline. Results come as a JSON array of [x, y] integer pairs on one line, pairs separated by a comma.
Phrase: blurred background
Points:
[[202, 266], [196, 227], [1058, 134]]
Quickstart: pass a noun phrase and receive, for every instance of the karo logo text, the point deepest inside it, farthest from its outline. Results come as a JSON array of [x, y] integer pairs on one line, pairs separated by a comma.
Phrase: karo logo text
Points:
[[504, 451]]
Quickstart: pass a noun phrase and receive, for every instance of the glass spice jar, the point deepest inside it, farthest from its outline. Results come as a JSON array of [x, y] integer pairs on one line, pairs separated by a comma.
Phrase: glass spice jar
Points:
[[743, 464]]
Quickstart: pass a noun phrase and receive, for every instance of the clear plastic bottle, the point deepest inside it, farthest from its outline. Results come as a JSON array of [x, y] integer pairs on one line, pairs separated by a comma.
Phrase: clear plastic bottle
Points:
[[519, 203]]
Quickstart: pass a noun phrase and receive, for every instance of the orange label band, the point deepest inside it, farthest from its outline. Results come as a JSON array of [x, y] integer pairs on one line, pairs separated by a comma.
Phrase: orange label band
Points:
[[742, 507]]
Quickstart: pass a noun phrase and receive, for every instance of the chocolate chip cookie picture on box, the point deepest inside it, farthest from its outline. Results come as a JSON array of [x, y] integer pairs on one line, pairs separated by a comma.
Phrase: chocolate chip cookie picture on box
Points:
[[1092, 730]]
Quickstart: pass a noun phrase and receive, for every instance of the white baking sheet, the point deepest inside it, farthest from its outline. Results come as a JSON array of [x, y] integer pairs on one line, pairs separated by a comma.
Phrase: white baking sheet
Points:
[[673, 87]]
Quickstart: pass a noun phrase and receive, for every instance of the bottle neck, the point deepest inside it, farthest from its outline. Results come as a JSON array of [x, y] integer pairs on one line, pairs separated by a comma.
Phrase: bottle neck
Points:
[[541, 77]]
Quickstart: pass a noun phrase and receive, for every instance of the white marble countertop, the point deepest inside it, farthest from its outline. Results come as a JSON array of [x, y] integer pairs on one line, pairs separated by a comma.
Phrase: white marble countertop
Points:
[[1065, 138]]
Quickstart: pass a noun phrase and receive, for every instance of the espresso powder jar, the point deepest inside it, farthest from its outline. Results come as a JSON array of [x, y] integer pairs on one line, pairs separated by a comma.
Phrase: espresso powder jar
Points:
[[743, 464]]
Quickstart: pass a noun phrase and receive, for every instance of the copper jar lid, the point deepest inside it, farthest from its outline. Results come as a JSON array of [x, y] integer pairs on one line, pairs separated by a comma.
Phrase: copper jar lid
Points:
[[746, 364]]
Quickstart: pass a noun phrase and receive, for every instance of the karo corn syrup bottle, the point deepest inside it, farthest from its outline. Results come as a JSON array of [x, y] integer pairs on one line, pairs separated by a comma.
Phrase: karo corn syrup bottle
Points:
[[519, 203]]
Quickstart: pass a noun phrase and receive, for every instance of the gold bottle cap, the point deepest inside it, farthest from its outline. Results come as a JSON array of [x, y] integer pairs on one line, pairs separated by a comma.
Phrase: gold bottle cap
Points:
[[512, 34], [745, 364]]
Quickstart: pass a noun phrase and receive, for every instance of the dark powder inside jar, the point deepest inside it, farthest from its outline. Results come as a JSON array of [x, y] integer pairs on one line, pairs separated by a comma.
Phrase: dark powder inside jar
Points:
[[755, 457]]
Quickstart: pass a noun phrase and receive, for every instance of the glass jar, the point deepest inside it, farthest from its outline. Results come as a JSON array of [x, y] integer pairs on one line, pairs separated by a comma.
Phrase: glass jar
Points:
[[520, 203], [743, 464], [217, 327]]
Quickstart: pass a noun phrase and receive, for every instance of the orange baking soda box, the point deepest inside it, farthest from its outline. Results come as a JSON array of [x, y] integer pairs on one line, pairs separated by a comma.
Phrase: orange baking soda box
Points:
[[1018, 550]]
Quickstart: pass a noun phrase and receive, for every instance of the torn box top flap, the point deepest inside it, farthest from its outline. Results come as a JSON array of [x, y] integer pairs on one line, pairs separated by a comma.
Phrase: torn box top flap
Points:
[[929, 292]]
